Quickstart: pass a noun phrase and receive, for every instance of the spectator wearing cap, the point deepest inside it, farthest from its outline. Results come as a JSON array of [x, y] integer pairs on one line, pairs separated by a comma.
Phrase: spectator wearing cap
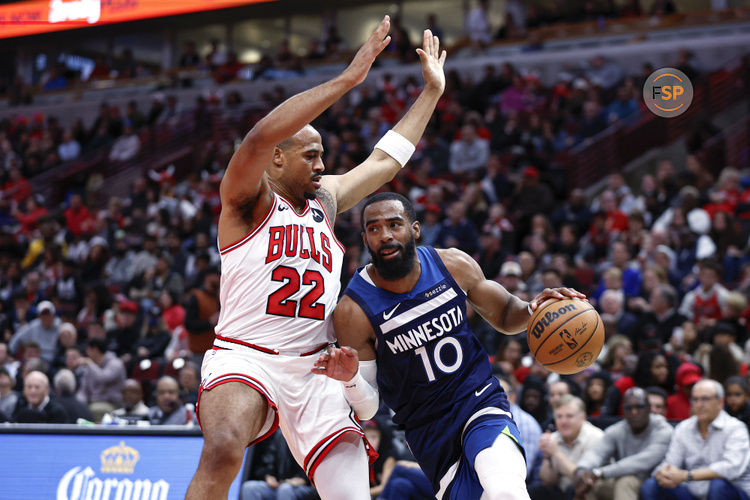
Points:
[[708, 455], [127, 145], [127, 330], [36, 406], [678, 404], [703, 304], [44, 331], [510, 277], [202, 312], [102, 378]]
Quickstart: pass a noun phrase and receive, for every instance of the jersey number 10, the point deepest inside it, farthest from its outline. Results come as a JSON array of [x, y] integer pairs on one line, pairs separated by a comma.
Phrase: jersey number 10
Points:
[[422, 353]]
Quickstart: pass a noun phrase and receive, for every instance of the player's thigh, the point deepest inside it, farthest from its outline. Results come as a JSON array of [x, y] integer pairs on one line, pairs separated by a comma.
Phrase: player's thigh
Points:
[[232, 410]]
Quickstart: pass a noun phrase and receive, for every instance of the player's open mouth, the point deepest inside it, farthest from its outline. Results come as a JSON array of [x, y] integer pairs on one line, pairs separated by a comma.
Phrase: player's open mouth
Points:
[[316, 182], [389, 253]]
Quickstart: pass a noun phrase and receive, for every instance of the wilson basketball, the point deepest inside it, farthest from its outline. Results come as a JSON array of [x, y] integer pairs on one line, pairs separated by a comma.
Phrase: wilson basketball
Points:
[[566, 336]]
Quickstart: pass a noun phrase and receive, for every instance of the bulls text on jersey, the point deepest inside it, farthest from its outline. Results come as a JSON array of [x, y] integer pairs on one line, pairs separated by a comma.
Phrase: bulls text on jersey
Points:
[[295, 240]]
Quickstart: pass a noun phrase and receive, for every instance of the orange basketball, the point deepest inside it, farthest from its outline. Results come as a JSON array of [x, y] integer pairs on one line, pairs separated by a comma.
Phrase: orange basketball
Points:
[[566, 336]]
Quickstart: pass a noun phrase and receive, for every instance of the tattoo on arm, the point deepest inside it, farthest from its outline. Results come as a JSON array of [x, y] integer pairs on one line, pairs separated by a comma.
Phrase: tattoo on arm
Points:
[[328, 201]]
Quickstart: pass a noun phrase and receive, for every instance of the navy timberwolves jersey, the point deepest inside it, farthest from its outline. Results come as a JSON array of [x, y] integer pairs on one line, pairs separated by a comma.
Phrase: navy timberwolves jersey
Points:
[[427, 356]]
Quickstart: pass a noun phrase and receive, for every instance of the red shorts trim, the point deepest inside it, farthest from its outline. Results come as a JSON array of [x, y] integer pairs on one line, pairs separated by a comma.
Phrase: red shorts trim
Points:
[[250, 382], [324, 446]]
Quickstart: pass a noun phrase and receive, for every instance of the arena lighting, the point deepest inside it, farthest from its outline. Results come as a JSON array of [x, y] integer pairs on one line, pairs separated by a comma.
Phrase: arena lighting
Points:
[[43, 16]]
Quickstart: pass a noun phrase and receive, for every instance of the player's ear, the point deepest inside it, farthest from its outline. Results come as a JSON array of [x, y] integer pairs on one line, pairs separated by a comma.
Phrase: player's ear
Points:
[[416, 229], [278, 157]]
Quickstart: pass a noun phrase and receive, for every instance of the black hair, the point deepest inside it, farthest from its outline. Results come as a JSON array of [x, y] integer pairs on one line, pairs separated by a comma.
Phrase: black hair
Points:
[[733, 380], [657, 391], [408, 207], [98, 344]]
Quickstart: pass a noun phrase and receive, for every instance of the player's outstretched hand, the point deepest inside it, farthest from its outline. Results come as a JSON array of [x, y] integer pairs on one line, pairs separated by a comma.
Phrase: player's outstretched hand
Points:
[[365, 56], [432, 62], [338, 363], [555, 293]]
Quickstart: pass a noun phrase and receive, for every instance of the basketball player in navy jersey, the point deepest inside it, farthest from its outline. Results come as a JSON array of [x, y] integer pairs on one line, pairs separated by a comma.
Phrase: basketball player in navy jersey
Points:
[[403, 331]]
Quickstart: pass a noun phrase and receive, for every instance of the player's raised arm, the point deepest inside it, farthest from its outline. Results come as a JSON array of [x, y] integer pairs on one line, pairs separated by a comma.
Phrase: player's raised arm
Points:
[[243, 178], [506, 313], [354, 363], [394, 150]]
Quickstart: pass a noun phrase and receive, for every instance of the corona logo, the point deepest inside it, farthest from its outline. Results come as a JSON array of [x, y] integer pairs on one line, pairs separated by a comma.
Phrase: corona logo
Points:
[[119, 459]]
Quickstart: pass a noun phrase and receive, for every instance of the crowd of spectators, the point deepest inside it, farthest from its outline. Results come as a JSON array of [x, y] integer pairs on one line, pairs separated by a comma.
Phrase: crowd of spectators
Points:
[[521, 19], [106, 310]]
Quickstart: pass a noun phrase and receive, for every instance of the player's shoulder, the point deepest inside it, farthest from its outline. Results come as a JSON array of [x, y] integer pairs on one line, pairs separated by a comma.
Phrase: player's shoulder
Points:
[[455, 260], [347, 306]]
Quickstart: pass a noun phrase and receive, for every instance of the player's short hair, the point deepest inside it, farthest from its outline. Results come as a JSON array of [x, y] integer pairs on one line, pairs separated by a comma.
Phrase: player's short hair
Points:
[[568, 399], [408, 206]]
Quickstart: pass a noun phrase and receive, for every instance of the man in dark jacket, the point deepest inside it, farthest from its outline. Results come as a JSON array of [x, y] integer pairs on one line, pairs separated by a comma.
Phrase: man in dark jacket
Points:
[[36, 407]]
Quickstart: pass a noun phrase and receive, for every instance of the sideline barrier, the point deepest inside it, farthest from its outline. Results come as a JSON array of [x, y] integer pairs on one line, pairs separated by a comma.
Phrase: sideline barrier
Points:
[[71, 462]]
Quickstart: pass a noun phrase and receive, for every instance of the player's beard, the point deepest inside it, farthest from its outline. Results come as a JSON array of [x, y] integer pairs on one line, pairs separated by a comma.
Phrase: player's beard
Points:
[[310, 196], [398, 267]]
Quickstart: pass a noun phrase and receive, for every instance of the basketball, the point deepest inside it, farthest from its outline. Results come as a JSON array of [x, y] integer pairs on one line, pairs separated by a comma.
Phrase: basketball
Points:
[[566, 336]]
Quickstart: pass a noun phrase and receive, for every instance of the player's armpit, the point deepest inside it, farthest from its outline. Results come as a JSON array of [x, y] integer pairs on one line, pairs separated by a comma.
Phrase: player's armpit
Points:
[[328, 200]]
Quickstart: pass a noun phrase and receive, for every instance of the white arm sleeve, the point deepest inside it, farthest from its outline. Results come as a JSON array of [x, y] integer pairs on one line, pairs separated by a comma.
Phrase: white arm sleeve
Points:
[[361, 391]]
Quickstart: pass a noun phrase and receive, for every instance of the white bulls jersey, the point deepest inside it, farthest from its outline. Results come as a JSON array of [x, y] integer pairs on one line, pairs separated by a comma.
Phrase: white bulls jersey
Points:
[[281, 282]]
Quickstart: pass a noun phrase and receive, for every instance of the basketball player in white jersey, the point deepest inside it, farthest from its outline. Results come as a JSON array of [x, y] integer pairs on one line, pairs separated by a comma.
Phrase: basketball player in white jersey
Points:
[[281, 267]]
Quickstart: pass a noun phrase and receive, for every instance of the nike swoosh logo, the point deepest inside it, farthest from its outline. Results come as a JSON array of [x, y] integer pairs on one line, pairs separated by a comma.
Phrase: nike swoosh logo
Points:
[[479, 393], [387, 316], [282, 207]]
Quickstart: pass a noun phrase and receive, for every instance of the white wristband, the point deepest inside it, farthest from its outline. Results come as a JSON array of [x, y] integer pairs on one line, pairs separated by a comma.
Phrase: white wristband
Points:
[[531, 313], [396, 146]]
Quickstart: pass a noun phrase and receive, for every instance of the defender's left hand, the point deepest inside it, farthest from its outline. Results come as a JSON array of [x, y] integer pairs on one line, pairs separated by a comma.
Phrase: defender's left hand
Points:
[[432, 62]]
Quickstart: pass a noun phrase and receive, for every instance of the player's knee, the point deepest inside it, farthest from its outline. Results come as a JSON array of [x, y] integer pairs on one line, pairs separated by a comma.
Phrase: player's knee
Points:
[[224, 448]]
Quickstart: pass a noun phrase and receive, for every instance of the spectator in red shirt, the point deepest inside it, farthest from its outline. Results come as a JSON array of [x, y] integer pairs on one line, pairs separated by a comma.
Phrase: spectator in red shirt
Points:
[[17, 188], [77, 216], [678, 404], [615, 220], [29, 218]]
